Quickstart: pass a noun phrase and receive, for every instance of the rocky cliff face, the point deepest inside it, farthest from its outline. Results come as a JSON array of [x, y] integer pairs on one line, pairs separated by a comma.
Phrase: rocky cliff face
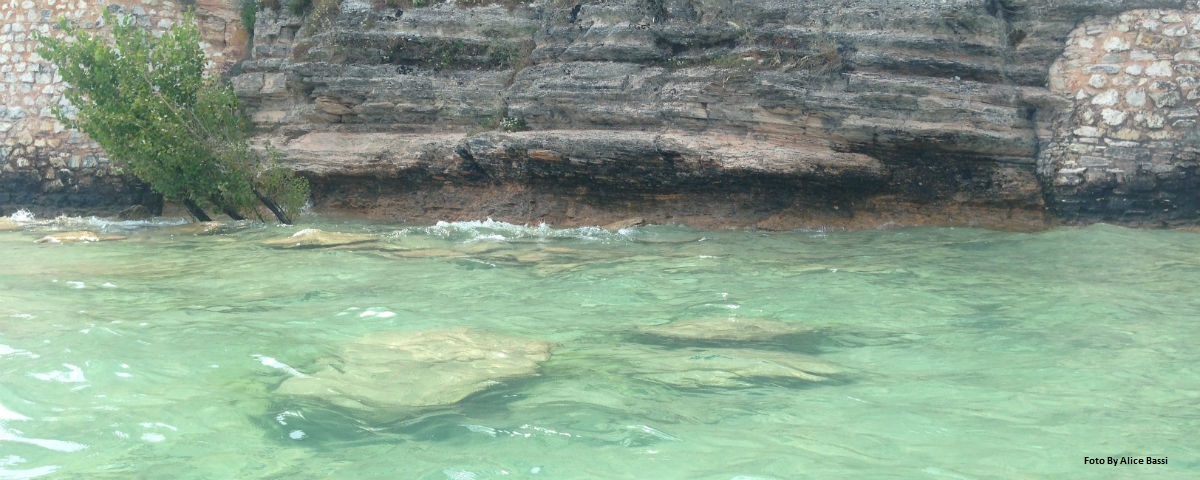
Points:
[[771, 113]]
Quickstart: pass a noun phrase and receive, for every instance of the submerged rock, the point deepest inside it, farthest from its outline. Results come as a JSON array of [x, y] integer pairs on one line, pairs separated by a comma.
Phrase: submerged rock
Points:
[[392, 371], [314, 238], [715, 329], [195, 228], [77, 237], [626, 223], [722, 367]]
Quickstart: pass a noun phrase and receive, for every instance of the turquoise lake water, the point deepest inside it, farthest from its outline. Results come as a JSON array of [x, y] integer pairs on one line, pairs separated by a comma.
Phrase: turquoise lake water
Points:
[[959, 353]]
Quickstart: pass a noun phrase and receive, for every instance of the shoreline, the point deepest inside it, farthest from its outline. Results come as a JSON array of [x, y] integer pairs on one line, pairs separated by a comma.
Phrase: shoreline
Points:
[[732, 212]]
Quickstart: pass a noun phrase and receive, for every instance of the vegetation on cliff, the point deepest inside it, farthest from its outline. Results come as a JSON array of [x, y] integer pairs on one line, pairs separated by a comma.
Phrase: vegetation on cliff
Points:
[[148, 101]]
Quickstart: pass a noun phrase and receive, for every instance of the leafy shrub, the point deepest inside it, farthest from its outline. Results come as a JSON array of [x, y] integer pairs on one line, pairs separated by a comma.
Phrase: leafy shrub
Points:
[[149, 103], [249, 10]]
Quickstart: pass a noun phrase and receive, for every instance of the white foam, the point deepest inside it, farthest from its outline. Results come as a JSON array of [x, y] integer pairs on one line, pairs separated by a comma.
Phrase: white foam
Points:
[[492, 231], [547, 431], [6, 350], [21, 216], [153, 437], [273, 363], [104, 224], [489, 431], [297, 434], [159, 425], [370, 312], [74, 284], [460, 474], [282, 417], [72, 374]]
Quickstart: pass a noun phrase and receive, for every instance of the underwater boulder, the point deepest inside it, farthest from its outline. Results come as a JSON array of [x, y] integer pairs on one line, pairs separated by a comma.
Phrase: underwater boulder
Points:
[[727, 329], [314, 238], [78, 237], [397, 371], [195, 228], [723, 367], [626, 223]]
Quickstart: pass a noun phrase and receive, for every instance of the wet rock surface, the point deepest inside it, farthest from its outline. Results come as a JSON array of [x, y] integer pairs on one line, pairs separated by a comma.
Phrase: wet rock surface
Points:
[[196, 228]]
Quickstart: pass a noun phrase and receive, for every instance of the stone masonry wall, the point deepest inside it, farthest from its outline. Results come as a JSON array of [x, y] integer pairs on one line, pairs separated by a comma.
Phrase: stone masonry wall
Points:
[[42, 164], [1127, 151]]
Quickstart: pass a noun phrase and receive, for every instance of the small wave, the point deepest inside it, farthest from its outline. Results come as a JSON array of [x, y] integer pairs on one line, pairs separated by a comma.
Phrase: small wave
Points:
[[276, 364], [110, 225], [6, 474], [652, 431], [49, 444], [153, 437], [6, 414], [6, 350], [21, 216], [378, 313], [72, 374], [106, 225], [493, 231]]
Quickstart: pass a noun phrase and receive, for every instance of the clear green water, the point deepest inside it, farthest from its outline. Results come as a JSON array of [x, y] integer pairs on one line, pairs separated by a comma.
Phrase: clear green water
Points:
[[964, 353]]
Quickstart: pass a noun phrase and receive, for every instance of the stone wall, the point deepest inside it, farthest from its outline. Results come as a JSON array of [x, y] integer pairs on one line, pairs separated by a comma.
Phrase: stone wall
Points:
[[1127, 150], [42, 164]]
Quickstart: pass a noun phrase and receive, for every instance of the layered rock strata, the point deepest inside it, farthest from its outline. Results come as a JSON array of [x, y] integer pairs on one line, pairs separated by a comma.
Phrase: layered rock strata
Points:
[[777, 113]]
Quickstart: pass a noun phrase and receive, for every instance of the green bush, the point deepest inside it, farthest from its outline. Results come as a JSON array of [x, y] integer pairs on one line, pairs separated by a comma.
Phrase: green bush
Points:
[[149, 103], [249, 12]]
